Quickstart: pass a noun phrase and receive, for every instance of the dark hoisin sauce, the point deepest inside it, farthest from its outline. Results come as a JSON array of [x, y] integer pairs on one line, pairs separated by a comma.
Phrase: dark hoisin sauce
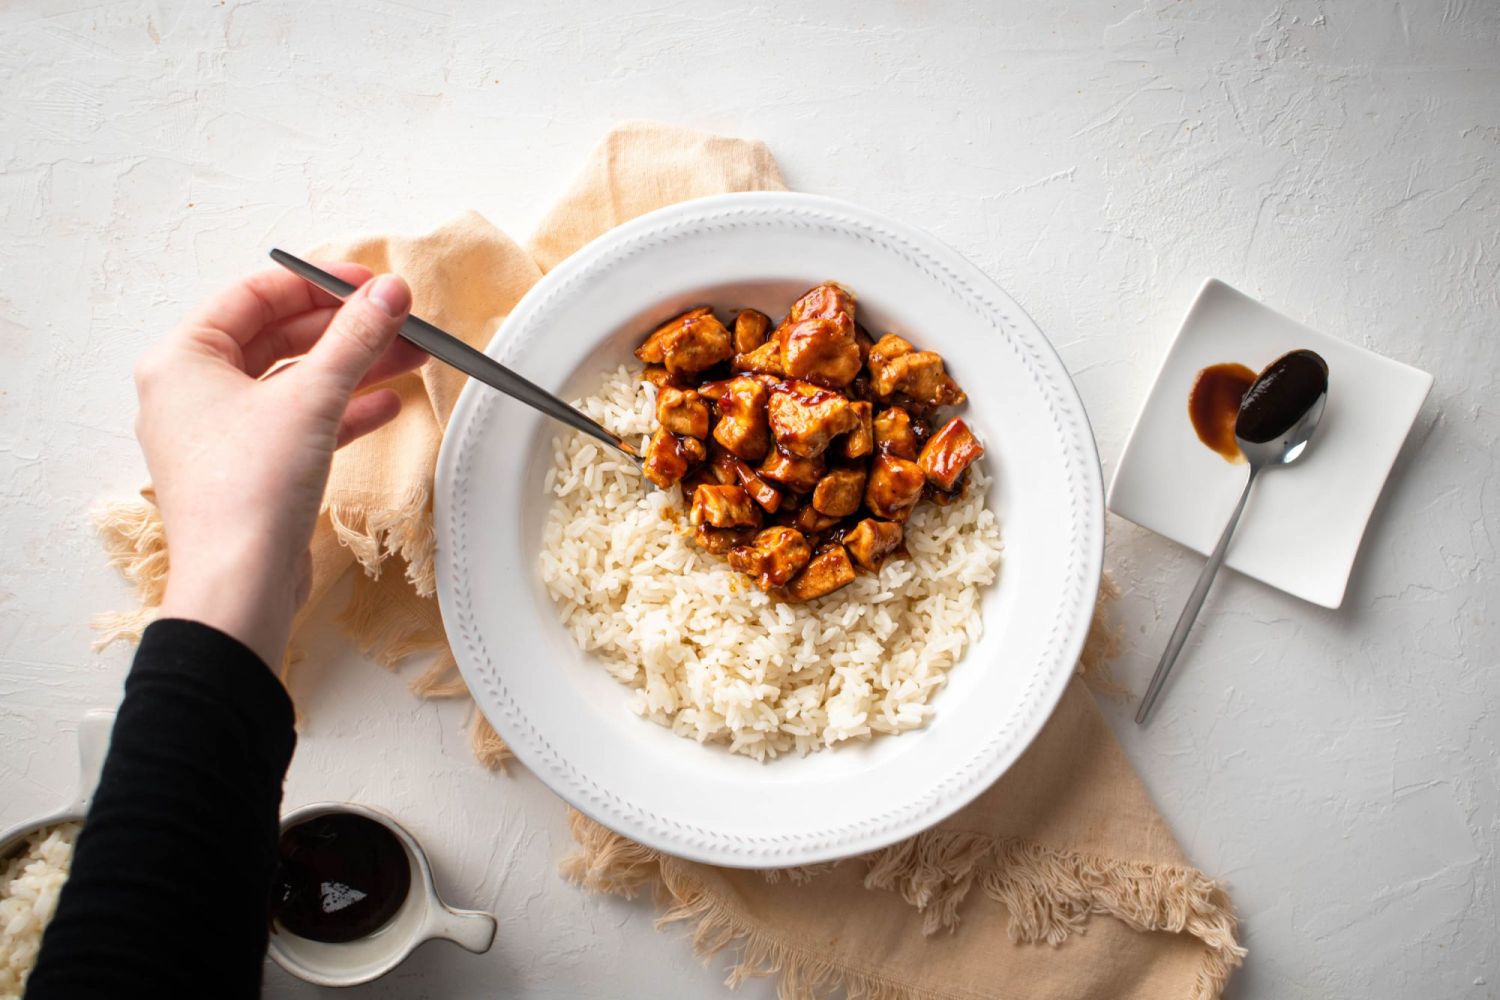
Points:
[[341, 877], [1280, 397]]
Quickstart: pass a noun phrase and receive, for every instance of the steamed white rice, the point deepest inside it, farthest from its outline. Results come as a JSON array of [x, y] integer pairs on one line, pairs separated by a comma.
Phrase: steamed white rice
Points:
[[29, 884], [714, 658]]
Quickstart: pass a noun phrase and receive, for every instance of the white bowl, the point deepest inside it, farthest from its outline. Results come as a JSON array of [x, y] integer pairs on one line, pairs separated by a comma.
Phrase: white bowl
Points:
[[567, 720], [93, 744], [422, 917]]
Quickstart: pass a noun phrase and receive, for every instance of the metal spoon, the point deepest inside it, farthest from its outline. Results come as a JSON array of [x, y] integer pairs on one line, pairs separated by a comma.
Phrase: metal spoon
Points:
[[1284, 448], [476, 364]]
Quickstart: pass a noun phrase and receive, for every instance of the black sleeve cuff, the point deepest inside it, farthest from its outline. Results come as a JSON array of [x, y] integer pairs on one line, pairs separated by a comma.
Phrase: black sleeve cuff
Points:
[[223, 671]]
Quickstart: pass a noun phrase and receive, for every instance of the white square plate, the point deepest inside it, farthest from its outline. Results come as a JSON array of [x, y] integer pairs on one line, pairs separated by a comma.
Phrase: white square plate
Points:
[[1302, 527]]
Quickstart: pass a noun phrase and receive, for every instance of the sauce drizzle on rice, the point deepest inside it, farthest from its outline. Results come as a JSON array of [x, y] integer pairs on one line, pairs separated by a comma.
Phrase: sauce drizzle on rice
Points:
[[719, 662]]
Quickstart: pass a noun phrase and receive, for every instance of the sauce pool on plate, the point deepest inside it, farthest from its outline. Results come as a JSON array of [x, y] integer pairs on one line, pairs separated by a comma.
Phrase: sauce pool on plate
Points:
[[1214, 406], [342, 877]]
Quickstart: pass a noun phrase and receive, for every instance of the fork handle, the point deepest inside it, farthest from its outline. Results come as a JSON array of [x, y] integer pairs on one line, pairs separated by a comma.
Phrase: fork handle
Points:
[[1194, 603], [474, 363]]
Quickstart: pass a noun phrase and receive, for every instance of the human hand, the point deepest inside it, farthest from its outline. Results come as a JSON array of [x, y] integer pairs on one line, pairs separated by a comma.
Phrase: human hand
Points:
[[239, 461]]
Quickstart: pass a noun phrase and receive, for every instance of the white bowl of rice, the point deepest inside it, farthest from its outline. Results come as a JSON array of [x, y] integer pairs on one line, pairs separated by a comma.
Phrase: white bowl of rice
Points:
[[642, 679], [36, 857], [32, 873]]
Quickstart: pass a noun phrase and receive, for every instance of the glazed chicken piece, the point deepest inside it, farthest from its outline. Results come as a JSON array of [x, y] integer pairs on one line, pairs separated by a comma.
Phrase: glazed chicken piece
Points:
[[810, 521], [821, 350], [804, 419], [762, 492], [658, 376], [894, 434], [826, 300], [776, 555], [751, 327], [720, 541], [688, 343], [827, 571], [817, 340], [894, 487], [948, 453], [742, 426], [898, 368], [682, 411], [871, 542], [669, 457], [764, 360], [860, 441], [723, 507], [839, 493], [797, 474]]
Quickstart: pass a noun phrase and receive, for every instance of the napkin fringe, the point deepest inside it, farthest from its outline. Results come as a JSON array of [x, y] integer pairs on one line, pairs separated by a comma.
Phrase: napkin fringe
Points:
[[135, 543], [800, 976], [604, 861], [1049, 895], [932, 871], [404, 529], [488, 748]]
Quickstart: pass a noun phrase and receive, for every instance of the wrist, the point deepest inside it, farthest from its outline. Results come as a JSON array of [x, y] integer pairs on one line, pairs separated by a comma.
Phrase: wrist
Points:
[[245, 596]]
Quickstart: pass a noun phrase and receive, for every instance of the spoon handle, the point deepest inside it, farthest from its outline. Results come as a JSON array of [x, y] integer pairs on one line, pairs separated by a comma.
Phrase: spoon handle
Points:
[[1194, 603]]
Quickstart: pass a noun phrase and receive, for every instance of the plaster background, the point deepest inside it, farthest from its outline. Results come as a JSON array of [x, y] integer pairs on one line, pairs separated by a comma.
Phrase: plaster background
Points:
[[1337, 159]]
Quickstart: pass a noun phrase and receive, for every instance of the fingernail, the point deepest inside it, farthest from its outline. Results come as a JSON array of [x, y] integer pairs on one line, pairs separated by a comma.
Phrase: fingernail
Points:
[[390, 293]]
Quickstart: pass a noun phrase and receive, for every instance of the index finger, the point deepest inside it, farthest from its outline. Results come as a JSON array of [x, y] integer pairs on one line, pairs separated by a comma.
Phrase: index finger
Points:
[[255, 302]]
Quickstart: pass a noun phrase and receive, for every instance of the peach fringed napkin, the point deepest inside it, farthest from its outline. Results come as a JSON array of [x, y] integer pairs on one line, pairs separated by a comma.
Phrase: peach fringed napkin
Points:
[[1064, 877]]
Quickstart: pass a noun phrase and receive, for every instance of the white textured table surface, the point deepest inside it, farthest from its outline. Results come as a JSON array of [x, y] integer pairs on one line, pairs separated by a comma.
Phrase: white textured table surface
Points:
[[1339, 160]]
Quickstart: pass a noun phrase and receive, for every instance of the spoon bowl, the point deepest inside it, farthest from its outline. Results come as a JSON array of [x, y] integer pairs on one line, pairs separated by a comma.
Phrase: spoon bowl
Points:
[[1288, 447]]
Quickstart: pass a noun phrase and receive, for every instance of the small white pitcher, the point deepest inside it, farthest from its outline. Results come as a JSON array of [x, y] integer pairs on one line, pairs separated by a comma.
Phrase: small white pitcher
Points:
[[422, 917]]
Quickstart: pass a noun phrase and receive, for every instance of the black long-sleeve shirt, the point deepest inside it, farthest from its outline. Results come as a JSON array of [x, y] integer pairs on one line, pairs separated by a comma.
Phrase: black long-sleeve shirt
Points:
[[171, 874]]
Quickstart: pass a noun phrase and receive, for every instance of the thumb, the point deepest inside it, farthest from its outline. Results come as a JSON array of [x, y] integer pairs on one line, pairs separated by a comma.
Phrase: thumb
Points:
[[360, 332]]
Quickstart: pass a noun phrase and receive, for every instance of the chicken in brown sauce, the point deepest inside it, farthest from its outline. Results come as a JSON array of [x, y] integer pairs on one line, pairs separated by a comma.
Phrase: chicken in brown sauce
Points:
[[742, 427], [800, 475], [899, 369], [895, 485], [870, 542], [775, 556], [802, 449], [751, 328], [692, 342], [669, 457], [948, 453], [839, 493], [827, 571], [805, 422], [723, 507], [682, 411]]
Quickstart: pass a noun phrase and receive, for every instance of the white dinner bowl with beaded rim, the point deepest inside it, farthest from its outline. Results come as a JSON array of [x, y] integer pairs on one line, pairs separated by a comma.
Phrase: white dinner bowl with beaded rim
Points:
[[561, 712]]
